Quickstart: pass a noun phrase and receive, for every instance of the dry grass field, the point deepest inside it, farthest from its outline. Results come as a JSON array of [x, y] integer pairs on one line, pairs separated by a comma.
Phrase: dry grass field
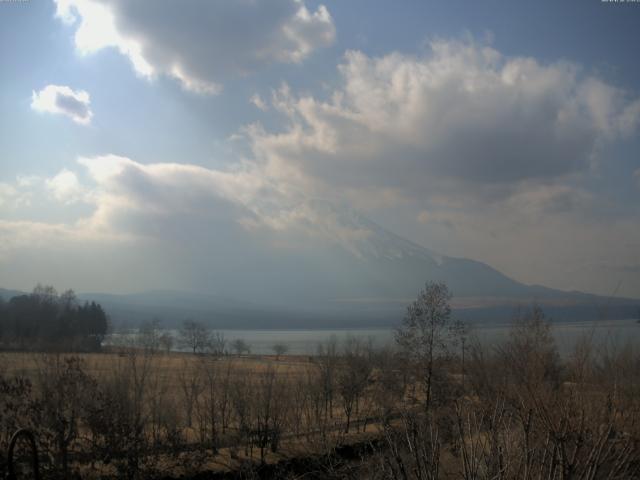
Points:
[[212, 413], [167, 366], [513, 411]]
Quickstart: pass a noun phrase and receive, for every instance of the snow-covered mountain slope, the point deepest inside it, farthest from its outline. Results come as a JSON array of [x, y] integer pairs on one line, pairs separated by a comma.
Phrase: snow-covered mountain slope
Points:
[[391, 266], [376, 269]]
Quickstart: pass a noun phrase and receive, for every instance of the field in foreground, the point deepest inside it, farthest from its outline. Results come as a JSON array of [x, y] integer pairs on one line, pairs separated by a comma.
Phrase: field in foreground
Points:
[[515, 410], [181, 412]]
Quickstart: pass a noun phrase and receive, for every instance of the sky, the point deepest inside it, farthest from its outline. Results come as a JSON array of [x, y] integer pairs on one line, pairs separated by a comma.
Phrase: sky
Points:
[[160, 144]]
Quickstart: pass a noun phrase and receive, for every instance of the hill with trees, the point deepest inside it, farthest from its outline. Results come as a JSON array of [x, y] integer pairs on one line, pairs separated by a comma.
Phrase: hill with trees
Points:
[[47, 320]]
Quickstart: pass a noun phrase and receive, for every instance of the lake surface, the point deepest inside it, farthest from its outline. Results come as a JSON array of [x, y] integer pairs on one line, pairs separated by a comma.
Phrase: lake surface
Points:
[[615, 332], [305, 342]]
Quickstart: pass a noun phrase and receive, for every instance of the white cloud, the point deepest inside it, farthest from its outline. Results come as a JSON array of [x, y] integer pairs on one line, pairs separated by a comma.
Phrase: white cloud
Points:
[[40, 236], [17, 194], [550, 233], [162, 200], [125, 189], [132, 203], [200, 44], [32, 190], [65, 187], [160, 222], [7, 193], [25, 181], [60, 99], [258, 102], [462, 118], [486, 154]]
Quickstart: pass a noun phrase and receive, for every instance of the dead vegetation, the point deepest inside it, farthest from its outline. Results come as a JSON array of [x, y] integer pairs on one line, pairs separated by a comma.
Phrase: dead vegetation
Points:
[[516, 411]]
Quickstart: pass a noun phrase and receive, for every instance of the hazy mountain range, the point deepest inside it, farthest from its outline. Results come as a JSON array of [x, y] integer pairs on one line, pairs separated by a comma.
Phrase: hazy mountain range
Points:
[[368, 283]]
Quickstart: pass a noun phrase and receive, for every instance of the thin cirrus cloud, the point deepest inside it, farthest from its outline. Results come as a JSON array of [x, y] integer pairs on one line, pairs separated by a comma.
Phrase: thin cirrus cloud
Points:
[[200, 44], [62, 100]]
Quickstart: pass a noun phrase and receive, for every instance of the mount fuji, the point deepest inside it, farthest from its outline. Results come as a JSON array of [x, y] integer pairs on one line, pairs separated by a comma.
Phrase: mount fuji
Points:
[[363, 276]]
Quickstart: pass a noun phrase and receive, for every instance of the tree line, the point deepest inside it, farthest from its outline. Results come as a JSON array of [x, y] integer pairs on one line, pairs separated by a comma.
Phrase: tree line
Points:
[[45, 320], [193, 336]]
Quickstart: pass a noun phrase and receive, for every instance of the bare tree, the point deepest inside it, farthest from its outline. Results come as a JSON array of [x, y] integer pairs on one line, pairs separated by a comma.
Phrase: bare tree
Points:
[[353, 378], [211, 404], [390, 386], [327, 361], [268, 411], [149, 334], [195, 336], [191, 386], [64, 387], [531, 353], [240, 346], [218, 344], [427, 332], [279, 349], [119, 419], [240, 401], [166, 342]]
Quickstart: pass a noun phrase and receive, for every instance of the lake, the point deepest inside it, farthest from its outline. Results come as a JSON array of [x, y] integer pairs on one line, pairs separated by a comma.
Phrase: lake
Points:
[[305, 342]]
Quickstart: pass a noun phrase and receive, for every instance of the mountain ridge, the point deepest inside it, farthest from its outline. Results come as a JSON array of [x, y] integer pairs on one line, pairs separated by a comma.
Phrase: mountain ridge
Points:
[[377, 276]]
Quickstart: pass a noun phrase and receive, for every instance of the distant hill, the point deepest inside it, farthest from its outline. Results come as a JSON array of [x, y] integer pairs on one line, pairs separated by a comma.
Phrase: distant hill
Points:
[[8, 294], [130, 310], [368, 282], [171, 308]]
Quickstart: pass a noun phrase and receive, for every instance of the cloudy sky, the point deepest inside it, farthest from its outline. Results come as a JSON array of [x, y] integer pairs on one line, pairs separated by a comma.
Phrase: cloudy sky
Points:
[[159, 144]]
